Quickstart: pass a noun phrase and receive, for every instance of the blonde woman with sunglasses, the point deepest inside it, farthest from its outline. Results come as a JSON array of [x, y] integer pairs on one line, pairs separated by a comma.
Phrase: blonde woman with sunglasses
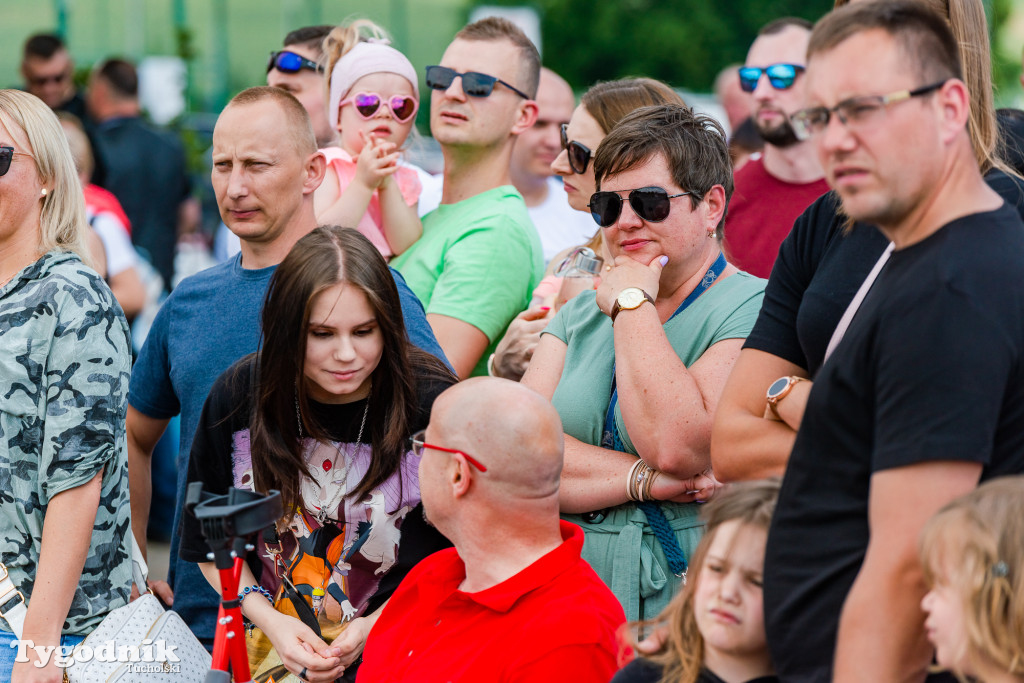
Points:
[[64, 514]]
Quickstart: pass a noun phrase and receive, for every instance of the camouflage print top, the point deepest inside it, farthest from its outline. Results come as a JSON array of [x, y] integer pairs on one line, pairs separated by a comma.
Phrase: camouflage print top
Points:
[[64, 371]]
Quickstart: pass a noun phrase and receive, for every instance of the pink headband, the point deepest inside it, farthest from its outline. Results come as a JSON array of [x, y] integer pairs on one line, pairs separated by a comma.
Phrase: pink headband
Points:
[[367, 58]]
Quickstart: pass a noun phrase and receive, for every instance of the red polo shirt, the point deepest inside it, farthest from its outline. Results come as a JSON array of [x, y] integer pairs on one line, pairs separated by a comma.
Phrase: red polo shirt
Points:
[[553, 621]]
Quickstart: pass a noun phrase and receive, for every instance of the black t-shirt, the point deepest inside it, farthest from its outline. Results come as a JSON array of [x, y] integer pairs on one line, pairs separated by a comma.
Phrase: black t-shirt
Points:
[[645, 671], [820, 267], [931, 368], [383, 535]]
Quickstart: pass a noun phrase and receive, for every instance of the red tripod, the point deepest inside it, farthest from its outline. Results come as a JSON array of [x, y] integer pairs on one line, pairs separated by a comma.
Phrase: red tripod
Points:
[[229, 652], [229, 523]]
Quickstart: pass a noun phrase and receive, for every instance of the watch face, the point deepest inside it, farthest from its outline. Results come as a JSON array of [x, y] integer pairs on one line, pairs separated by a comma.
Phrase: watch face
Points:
[[778, 386], [631, 298]]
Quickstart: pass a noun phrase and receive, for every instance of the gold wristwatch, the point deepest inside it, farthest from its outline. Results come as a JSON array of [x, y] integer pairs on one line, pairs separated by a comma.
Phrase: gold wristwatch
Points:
[[629, 299]]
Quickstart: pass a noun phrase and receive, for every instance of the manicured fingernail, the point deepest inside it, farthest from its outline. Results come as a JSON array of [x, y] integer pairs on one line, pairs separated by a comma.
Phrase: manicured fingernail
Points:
[[545, 308], [663, 260]]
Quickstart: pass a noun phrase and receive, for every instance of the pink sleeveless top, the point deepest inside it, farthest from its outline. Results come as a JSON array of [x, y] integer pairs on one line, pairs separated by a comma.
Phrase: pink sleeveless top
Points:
[[371, 224]]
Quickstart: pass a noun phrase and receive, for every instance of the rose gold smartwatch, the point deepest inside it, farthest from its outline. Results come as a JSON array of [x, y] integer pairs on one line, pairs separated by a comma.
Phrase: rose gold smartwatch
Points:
[[780, 389]]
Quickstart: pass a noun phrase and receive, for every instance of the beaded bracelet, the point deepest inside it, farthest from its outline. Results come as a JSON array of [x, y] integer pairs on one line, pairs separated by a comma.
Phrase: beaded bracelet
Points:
[[256, 589]]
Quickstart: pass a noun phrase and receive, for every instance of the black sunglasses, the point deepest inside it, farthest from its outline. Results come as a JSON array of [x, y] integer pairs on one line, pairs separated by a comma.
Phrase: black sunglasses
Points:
[[474, 84], [578, 153], [6, 156], [288, 62], [650, 203]]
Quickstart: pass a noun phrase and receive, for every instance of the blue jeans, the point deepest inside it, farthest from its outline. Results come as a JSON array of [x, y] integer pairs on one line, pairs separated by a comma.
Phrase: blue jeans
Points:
[[9, 650]]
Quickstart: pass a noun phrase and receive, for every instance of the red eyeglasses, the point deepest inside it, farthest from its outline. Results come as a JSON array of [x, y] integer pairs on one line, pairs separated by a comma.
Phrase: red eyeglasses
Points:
[[367, 104], [418, 444]]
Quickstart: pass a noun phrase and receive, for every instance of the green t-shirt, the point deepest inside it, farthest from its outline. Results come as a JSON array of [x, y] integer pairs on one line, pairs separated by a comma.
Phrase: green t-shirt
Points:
[[477, 261], [726, 311]]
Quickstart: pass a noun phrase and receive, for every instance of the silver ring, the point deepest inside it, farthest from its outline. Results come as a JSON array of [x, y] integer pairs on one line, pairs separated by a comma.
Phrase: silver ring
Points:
[[302, 674]]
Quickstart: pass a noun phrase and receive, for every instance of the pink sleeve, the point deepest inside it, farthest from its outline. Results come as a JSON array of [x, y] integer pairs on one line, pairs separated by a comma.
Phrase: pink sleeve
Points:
[[409, 183]]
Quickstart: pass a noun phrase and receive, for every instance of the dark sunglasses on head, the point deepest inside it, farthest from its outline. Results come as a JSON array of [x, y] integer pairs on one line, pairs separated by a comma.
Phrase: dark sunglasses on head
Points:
[[578, 153], [6, 156], [650, 203], [288, 62], [367, 104], [781, 76], [473, 84]]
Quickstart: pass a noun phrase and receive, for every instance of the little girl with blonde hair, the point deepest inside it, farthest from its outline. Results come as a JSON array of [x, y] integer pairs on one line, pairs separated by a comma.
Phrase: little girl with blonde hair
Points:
[[373, 97], [972, 552]]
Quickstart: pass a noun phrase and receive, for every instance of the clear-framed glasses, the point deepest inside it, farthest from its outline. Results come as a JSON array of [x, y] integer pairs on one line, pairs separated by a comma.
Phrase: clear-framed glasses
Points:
[[855, 112], [419, 445]]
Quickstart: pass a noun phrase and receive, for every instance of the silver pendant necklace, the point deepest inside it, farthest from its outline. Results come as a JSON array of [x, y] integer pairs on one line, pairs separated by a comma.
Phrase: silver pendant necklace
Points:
[[323, 510]]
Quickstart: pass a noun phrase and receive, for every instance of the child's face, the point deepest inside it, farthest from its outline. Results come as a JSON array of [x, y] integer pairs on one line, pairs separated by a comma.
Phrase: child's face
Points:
[[945, 624], [355, 130], [728, 603]]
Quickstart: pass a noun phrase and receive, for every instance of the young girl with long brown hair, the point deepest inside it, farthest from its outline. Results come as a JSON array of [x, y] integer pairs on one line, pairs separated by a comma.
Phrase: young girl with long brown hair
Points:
[[323, 413]]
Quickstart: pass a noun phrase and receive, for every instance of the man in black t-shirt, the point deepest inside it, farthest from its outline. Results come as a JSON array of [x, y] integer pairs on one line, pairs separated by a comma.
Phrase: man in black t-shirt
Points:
[[924, 395]]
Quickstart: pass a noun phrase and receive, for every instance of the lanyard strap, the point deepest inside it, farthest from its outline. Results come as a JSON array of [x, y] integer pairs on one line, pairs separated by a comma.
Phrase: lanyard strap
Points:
[[611, 439], [710, 277]]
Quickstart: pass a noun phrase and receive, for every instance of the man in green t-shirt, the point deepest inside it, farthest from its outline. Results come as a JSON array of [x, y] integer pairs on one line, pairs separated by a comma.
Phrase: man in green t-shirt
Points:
[[480, 256]]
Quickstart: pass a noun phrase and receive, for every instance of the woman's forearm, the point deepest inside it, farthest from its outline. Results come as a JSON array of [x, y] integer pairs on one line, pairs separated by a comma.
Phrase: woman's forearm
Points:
[[67, 534], [592, 477], [668, 408]]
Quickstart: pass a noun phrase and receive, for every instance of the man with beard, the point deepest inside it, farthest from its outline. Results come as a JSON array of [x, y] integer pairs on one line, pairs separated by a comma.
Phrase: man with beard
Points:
[[771, 191]]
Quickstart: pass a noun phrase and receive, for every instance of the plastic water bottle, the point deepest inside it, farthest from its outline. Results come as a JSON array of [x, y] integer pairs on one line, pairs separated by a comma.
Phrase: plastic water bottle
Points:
[[578, 272]]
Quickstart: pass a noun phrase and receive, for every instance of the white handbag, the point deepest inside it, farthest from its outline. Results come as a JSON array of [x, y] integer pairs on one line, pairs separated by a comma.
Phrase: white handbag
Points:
[[136, 643]]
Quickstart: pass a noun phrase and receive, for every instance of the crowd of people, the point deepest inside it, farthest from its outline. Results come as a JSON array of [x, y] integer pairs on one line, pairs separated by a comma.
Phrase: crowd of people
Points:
[[811, 477]]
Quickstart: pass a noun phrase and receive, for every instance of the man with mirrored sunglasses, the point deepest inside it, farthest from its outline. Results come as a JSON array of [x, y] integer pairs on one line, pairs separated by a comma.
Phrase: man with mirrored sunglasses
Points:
[[298, 68], [480, 257], [922, 395], [772, 190]]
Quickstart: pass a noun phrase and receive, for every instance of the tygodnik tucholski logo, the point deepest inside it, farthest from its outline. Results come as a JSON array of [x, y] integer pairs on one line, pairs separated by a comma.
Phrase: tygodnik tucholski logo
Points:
[[149, 657]]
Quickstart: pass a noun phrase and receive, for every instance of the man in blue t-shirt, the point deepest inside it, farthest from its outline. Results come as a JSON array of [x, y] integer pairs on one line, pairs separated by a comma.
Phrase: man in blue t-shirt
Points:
[[265, 169]]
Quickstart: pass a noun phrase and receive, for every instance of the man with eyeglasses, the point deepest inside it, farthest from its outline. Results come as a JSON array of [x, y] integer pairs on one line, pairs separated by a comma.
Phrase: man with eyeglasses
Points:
[[922, 396], [771, 191], [480, 256], [557, 223], [513, 600]]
